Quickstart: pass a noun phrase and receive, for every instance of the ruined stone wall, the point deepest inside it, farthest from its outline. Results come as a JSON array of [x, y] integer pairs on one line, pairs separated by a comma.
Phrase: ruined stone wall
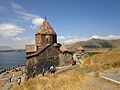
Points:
[[65, 58], [80, 56]]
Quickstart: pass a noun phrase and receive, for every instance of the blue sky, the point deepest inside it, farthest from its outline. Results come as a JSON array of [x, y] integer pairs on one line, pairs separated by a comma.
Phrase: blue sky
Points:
[[73, 20]]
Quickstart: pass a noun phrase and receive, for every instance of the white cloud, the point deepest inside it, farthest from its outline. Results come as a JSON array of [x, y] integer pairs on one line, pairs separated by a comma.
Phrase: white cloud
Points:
[[35, 19], [70, 41], [16, 6], [105, 37], [73, 39], [25, 15], [61, 37], [37, 22], [20, 38], [20, 10], [25, 40], [10, 30], [97, 37]]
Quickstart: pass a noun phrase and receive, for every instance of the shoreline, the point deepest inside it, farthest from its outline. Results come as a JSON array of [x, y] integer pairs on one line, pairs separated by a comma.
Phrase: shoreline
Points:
[[10, 68]]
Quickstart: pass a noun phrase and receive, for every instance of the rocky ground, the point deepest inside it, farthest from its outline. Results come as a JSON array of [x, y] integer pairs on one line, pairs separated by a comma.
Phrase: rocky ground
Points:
[[17, 72]]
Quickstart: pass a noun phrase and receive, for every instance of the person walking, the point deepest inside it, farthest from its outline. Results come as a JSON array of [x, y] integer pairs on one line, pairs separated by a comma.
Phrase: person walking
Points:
[[53, 69], [73, 62], [12, 79], [43, 71], [19, 80], [34, 71], [33, 74], [9, 78]]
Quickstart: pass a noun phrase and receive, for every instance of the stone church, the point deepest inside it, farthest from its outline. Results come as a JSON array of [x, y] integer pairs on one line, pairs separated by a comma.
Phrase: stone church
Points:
[[46, 51]]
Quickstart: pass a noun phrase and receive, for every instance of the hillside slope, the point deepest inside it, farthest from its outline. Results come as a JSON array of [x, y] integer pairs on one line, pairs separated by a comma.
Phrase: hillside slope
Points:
[[103, 61], [5, 48], [70, 80], [96, 44]]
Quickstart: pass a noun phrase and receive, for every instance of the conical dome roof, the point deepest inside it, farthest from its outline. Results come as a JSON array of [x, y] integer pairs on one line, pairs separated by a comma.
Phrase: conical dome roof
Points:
[[80, 48], [45, 28], [63, 48]]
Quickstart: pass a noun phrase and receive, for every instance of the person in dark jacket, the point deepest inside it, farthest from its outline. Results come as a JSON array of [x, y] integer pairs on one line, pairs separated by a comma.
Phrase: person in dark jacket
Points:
[[53, 69]]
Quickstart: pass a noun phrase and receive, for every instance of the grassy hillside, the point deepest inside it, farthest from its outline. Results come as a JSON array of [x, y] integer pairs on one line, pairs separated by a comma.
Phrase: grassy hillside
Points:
[[96, 45], [77, 80], [71, 80], [115, 43], [103, 61]]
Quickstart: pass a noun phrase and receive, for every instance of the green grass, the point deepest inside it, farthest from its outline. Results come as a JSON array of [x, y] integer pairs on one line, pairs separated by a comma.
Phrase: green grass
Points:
[[92, 53]]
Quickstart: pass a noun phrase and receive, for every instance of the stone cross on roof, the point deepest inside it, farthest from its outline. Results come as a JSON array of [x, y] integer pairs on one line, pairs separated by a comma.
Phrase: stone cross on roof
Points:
[[45, 18]]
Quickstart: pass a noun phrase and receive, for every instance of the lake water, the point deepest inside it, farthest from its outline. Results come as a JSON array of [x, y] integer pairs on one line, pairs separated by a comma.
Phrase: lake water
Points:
[[9, 59]]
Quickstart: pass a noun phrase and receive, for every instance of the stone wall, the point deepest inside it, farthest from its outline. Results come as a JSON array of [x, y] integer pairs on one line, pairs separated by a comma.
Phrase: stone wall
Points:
[[65, 58], [30, 64], [80, 56], [44, 39], [47, 57]]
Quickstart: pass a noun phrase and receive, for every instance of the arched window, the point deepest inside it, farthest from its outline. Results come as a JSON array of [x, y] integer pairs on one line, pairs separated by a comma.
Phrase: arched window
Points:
[[47, 39]]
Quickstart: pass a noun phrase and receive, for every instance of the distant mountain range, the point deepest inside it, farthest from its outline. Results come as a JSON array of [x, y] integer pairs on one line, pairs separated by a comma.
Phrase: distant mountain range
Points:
[[90, 45], [7, 48], [96, 44]]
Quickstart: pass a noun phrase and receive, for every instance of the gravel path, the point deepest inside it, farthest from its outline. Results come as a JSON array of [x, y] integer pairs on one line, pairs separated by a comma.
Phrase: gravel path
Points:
[[93, 83], [7, 85], [114, 76]]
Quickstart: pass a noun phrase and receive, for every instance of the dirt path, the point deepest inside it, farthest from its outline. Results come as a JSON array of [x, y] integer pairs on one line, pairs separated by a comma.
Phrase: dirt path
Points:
[[4, 77], [66, 69], [93, 83], [7, 85], [113, 76]]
